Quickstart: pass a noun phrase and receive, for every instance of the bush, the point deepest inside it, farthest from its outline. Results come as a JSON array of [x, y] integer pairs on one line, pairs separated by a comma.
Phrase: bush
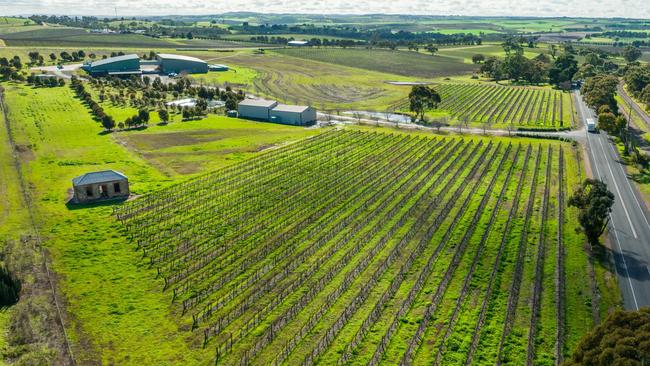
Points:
[[9, 288]]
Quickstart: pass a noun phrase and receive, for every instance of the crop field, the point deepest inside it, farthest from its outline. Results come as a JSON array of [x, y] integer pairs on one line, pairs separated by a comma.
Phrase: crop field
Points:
[[376, 248], [33, 36], [404, 63], [303, 81], [502, 106]]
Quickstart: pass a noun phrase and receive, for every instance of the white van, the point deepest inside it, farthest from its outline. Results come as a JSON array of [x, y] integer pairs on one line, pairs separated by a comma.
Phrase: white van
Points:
[[591, 125]]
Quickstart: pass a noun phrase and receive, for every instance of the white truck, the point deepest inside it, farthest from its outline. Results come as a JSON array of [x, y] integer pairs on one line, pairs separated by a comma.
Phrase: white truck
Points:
[[591, 125]]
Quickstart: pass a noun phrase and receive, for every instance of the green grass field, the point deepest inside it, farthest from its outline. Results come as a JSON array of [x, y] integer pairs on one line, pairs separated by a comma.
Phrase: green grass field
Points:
[[298, 265], [59, 140]]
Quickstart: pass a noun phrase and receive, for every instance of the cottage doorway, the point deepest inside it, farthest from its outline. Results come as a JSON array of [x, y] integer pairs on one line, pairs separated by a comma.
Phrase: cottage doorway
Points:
[[103, 191]]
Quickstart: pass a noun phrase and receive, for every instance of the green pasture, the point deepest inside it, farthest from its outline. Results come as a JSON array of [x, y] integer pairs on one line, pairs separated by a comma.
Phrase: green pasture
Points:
[[200, 146], [59, 140]]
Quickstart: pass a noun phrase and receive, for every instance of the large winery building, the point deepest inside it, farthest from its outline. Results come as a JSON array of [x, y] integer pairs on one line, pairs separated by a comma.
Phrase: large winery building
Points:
[[131, 65]]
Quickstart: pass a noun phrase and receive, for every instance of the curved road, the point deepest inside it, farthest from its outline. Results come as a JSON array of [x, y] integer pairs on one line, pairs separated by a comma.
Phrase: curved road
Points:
[[629, 227]]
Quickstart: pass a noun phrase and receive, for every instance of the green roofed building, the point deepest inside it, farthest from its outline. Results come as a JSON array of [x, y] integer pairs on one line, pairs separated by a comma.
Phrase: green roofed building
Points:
[[179, 64], [120, 65]]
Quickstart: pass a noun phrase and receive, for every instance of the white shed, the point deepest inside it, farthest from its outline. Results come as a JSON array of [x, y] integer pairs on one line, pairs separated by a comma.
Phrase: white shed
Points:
[[259, 109], [293, 115]]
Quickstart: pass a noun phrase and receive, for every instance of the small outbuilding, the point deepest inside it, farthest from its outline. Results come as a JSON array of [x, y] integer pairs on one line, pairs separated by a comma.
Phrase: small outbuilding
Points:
[[297, 115], [256, 109], [99, 186]]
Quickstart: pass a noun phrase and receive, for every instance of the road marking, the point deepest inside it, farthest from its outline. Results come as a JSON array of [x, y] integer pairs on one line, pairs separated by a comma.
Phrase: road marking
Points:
[[611, 220], [620, 166], [627, 214], [636, 304]]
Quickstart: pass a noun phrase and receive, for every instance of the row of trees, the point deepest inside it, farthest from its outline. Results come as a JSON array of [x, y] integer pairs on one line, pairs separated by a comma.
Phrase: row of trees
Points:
[[107, 121], [518, 67], [49, 82], [637, 79], [10, 68]]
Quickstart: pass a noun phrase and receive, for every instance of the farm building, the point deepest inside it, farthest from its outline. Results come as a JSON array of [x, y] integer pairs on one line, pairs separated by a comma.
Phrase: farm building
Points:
[[293, 115], [98, 186], [298, 43], [258, 109], [181, 64], [120, 65]]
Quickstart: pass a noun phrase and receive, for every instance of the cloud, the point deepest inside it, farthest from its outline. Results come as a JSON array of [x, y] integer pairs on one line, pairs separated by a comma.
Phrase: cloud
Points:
[[543, 8]]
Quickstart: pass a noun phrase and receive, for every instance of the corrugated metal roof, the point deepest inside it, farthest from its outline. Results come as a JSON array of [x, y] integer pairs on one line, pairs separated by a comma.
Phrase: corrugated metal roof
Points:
[[133, 72], [258, 103], [290, 108], [110, 60], [168, 56], [98, 177]]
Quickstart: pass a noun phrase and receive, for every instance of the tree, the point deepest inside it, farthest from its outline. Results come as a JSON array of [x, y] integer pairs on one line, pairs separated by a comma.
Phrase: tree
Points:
[[108, 122], [511, 45], [478, 58], [607, 122], [622, 339], [431, 48], [595, 202], [631, 54], [637, 78], [164, 115], [493, 67], [422, 99], [563, 69], [231, 104], [143, 116], [600, 90]]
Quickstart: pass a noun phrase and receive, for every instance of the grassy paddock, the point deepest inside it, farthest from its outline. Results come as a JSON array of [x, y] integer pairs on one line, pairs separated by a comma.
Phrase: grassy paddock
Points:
[[118, 313]]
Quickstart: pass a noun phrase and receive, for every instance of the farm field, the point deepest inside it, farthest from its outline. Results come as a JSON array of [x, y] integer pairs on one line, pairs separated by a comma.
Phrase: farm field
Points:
[[450, 251], [182, 148], [295, 80], [404, 63], [247, 37], [77, 37], [496, 106], [58, 139]]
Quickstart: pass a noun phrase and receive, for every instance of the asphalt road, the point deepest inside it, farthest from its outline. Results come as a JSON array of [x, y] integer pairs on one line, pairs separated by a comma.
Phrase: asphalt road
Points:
[[629, 229]]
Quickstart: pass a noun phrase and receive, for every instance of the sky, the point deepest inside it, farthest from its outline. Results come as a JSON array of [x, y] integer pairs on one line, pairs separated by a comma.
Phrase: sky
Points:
[[542, 8]]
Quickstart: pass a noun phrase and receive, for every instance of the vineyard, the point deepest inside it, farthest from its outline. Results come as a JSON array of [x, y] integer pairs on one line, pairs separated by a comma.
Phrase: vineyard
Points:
[[409, 64], [501, 106], [356, 247]]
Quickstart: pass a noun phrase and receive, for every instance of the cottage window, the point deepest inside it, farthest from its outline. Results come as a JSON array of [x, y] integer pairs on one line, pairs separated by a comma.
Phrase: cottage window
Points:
[[89, 191], [116, 187]]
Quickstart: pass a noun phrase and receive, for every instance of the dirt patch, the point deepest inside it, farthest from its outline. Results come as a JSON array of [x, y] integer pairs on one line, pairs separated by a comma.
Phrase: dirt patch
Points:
[[25, 153], [156, 141]]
